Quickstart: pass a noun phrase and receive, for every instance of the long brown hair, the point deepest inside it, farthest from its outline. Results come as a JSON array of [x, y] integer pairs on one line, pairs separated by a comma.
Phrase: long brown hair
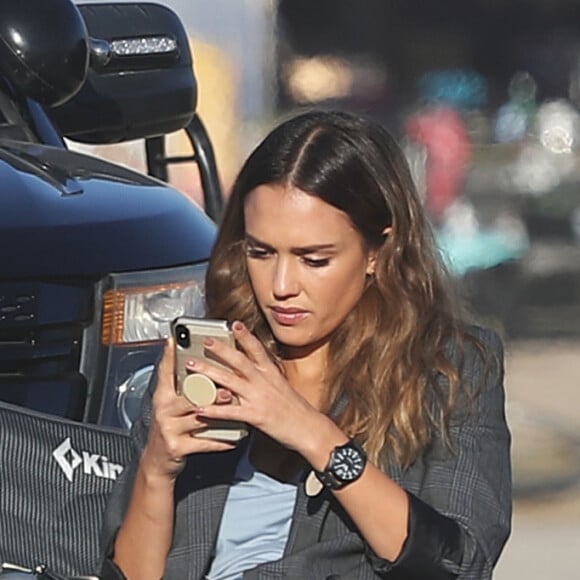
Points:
[[389, 360]]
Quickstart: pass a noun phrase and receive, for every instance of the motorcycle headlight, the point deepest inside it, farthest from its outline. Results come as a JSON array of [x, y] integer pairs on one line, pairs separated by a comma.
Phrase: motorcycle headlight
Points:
[[138, 309]]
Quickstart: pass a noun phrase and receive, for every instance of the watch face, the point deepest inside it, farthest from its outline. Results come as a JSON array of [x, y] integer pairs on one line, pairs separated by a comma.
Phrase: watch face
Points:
[[348, 463]]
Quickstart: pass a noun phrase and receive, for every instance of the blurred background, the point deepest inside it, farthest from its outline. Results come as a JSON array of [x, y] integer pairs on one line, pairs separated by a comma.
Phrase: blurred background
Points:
[[484, 98]]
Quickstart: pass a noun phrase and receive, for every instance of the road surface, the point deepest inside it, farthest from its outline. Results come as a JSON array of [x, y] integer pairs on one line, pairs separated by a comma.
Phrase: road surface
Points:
[[543, 382]]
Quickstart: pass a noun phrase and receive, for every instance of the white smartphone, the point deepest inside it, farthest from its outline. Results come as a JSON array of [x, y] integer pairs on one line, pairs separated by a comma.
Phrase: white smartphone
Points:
[[188, 335]]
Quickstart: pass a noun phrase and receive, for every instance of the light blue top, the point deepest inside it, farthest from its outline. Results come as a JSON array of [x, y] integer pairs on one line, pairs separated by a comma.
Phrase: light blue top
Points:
[[255, 523]]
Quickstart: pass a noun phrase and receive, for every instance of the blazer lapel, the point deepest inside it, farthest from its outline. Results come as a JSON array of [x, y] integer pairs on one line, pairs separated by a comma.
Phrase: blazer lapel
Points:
[[310, 512], [201, 494], [307, 520]]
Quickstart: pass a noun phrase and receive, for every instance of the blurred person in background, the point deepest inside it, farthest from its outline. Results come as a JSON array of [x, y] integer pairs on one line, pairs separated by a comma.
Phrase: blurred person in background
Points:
[[439, 124], [514, 118], [443, 133], [378, 445]]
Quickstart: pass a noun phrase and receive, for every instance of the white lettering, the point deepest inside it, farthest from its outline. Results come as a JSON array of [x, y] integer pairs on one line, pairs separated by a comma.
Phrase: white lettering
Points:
[[91, 464], [68, 459], [115, 470]]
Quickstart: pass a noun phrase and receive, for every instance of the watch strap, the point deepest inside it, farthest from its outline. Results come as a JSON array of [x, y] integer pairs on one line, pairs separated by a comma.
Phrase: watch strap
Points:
[[329, 480]]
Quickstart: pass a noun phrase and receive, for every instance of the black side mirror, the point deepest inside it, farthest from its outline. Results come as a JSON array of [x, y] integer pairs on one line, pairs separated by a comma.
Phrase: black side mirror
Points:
[[140, 82]]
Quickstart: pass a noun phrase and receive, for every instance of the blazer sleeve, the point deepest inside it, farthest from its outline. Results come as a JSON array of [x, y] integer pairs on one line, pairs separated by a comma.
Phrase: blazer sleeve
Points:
[[460, 499], [118, 501]]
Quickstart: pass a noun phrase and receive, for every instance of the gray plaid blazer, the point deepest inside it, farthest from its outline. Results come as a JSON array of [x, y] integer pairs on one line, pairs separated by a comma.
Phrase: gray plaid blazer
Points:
[[460, 505]]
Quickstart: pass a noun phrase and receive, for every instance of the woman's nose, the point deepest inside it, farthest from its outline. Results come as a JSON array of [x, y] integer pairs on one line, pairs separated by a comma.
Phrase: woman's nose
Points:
[[285, 282]]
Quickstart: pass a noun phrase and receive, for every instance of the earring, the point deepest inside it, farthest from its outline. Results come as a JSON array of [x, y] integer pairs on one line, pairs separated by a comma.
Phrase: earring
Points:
[[369, 278]]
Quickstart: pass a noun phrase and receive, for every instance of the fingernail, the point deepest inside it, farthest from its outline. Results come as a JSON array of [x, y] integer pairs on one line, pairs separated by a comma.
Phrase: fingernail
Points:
[[190, 363], [238, 325], [208, 341]]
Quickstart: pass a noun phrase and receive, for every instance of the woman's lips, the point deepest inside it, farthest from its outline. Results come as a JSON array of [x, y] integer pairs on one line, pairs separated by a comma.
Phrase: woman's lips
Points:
[[288, 316]]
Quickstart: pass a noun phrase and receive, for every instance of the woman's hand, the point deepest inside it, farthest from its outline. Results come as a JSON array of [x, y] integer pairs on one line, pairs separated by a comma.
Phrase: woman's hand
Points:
[[175, 420], [267, 401]]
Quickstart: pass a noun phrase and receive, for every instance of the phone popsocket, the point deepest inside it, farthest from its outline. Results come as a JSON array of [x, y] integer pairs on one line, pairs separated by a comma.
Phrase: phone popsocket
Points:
[[199, 390]]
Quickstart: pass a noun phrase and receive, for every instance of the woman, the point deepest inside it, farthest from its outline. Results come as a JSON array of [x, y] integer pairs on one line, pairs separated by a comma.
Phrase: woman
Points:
[[379, 445]]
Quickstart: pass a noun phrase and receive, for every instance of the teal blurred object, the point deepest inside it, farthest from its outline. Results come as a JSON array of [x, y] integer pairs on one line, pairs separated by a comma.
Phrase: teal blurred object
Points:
[[465, 89], [478, 249]]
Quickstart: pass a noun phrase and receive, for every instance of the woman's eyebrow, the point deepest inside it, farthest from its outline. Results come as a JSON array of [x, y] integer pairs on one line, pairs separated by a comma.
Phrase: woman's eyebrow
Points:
[[313, 249], [256, 242], [298, 250]]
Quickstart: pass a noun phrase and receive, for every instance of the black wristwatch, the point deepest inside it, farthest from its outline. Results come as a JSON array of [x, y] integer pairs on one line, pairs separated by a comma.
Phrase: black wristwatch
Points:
[[347, 463]]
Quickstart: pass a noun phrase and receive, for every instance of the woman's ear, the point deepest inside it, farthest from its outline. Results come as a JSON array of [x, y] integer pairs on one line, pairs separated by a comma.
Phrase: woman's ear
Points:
[[372, 260]]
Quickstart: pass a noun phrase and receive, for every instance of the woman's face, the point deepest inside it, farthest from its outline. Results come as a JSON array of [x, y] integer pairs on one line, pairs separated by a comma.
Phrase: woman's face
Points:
[[306, 261]]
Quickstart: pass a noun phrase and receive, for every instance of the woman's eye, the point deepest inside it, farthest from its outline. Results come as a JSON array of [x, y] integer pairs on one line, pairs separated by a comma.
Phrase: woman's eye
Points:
[[316, 262], [253, 252]]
